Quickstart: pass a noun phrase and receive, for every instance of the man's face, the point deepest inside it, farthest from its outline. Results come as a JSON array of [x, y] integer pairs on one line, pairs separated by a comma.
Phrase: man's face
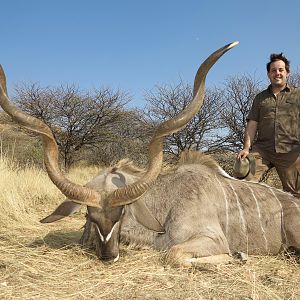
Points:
[[278, 74]]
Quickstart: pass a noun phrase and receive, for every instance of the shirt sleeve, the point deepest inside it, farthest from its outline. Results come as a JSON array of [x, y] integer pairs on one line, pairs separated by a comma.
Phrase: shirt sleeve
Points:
[[254, 111]]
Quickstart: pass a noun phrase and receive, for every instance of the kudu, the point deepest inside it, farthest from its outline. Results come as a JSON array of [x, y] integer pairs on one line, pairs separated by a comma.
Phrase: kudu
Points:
[[197, 212]]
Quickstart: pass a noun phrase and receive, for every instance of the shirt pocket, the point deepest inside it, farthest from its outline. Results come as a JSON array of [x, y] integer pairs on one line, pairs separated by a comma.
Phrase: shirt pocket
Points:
[[267, 108], [289, 117], [291, 106]]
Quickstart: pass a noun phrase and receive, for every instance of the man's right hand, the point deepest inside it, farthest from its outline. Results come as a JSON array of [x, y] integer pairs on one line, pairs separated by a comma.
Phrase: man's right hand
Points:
[[242, 154]]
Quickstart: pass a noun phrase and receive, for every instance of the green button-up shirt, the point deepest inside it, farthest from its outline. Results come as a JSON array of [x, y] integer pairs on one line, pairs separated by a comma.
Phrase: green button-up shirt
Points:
[[278, 119]]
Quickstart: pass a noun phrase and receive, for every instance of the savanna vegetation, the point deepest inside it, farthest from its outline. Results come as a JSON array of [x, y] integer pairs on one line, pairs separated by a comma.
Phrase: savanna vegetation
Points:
[[45, 261], [93, 130]]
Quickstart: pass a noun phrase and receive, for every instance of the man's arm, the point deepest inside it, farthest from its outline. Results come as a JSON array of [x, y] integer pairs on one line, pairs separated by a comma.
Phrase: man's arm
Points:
[[249, 135]]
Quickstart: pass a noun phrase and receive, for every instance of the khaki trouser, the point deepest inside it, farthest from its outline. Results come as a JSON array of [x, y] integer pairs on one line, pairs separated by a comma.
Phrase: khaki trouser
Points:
[[287, 166]]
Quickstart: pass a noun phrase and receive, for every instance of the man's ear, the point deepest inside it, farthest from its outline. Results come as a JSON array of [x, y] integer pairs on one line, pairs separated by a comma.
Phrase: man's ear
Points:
[[65, 209]]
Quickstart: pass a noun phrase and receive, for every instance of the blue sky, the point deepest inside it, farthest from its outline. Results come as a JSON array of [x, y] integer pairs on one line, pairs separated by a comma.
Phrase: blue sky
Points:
[[134, 44]]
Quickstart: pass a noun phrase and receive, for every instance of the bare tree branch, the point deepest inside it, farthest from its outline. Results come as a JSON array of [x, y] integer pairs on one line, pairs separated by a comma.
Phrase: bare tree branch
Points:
[[165, 101]]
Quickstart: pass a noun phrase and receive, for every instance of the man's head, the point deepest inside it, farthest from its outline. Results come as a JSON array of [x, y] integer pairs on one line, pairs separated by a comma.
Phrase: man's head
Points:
[[278, 69]]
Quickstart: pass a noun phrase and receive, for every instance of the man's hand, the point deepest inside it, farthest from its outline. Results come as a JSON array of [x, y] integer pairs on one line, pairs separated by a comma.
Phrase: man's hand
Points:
[[243, 154]]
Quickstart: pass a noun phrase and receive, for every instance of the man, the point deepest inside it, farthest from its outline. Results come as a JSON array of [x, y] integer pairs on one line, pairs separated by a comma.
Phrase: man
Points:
[[275, 122]]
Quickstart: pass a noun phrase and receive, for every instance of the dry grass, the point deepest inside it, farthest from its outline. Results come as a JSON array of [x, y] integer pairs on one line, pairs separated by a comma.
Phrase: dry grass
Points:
[[39, 261]]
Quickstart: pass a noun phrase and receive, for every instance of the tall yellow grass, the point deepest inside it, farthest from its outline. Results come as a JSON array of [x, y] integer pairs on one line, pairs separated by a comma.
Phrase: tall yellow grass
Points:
[[28, 192], [21, 190]]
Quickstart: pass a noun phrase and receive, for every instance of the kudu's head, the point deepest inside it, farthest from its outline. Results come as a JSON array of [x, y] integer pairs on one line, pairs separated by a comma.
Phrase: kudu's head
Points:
[[106, 207]]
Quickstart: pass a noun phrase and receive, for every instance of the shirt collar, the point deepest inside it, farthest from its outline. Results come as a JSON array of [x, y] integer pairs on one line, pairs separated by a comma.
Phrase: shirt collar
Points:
[[286, 89]]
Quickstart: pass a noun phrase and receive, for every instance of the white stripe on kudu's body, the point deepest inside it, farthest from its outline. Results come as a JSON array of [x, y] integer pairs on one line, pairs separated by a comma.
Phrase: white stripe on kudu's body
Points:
[[259, 216], [242, 217], [226, 204], [281, 212], [297, 206]]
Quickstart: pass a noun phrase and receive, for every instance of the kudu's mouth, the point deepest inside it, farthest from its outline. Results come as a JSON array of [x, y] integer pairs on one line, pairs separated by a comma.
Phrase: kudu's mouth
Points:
[[107, 246], [109, 259]]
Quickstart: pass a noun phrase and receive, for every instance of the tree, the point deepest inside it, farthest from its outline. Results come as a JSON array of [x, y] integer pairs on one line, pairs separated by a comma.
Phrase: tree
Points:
[[294, 79], [129, 139], [165, 101], [237, 97], [78, 120]]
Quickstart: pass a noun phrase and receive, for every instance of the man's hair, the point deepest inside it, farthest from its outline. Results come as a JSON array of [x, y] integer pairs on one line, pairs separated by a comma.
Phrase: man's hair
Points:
[[276, 57]]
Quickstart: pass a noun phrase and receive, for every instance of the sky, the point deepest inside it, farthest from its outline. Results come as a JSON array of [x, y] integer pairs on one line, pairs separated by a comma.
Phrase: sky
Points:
[[134, 45]]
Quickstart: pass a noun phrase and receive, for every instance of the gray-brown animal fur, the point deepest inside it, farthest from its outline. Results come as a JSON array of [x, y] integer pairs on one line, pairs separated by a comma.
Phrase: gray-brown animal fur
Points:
[[206, 214]]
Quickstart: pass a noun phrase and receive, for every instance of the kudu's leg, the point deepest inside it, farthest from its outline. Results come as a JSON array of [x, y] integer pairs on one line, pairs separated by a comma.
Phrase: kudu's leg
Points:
[[198, 251], [291, 224]]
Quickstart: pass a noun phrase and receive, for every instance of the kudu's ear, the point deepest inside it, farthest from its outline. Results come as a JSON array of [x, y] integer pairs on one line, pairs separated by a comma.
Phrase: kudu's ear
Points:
[[65, 209], [142, 215]]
